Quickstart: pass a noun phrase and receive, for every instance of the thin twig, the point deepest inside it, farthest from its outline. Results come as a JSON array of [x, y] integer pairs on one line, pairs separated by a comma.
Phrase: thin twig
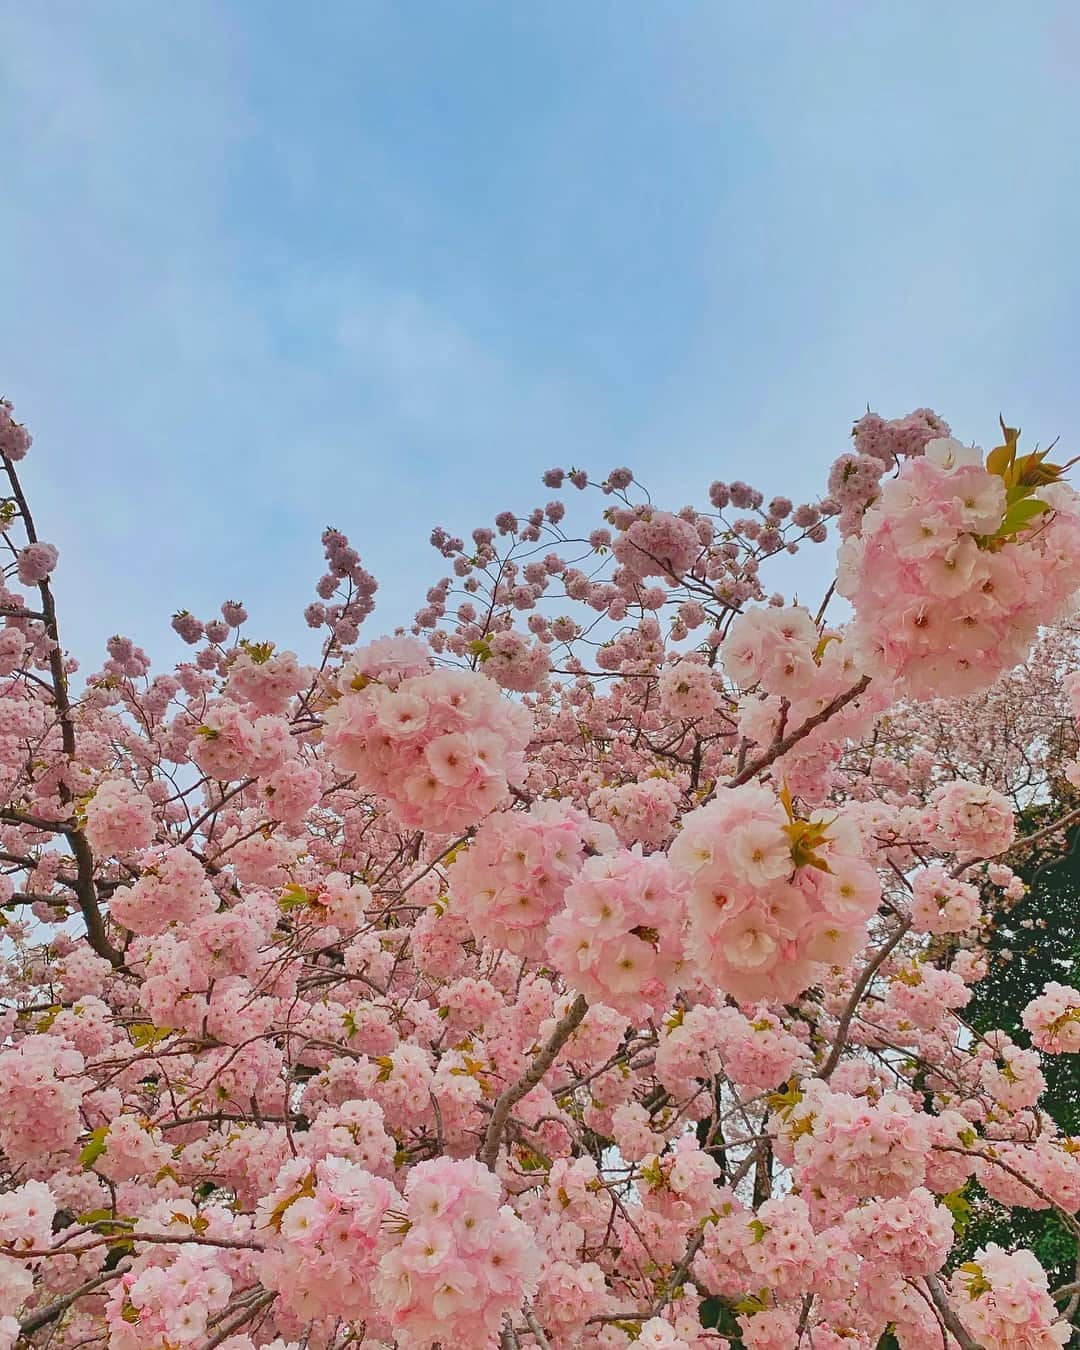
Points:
[[564, 1029]]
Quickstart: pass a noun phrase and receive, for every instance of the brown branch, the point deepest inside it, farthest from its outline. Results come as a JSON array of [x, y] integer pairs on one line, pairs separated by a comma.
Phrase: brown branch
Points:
[[85, 890], [36, 822], [545, 1058], [782, 746], [948, 1315], [247, 1312], [825, 603], [167, 1239], [36, 1320], [1063, 823], [856, 998], [537, 1330]]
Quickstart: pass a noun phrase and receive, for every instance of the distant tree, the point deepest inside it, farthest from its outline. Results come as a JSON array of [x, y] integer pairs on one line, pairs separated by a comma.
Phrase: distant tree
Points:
[[1028, 944]]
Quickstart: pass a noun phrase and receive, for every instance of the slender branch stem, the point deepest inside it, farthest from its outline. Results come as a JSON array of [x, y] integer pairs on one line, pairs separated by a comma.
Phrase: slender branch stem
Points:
[[43, 1316], [543, 1061], [84, 861], [782, 746], [948, 1315], [857, 993]]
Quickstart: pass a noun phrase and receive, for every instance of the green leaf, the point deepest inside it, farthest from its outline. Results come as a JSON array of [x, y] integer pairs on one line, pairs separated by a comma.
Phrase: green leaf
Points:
[[785, 1102], [753, 1303], [1002, 459], [260, 652], [957, 1204], [95, 1216], [1019, 515], [293, 897], [95, 1148], [999, 460], [145, 1033], [975, 1281]]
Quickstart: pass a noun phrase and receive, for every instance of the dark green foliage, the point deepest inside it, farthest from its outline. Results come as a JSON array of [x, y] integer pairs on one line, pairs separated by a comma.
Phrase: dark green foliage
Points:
[[1042, 932], [716, 1312]]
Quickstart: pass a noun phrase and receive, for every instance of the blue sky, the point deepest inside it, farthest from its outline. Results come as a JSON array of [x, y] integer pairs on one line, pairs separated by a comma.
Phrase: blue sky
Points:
[[269, 266]]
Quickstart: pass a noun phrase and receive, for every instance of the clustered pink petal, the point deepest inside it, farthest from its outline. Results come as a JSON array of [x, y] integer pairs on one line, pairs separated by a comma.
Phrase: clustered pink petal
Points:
[[35, 563], [15, 440], [619, 937], [43, 1088], [943, 904], [910, 1235], [444, 748], [947, 589], [639, 813], [464, 1263], [764, 918], [1003, 1302], [119, 819], [1053, 1019], [837, 1140], [511, 881]]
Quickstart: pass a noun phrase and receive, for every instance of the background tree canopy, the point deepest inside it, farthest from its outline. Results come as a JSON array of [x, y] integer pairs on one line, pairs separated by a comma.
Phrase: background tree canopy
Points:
[[1030, 943]]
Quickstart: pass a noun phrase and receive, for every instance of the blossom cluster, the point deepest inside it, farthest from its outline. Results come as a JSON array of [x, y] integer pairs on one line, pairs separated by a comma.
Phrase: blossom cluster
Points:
[[837, 1140], [949, 577], [1053, 1019], [445, 748], [510, 881], [772, 900], [619, 938], [1002, 1301]]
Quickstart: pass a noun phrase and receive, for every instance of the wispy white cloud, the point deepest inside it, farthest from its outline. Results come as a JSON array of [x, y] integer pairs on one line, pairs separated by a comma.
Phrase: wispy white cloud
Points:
[[433, 371]]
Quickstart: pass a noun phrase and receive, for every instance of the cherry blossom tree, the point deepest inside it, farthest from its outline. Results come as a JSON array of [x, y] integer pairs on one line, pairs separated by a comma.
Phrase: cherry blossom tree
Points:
[[583, 967]]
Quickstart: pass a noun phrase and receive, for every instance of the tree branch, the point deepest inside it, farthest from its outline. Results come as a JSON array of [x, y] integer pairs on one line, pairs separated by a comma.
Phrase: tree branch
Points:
[[782, 746], [36, 1320], [85, 890], [948, 1315], [543, 1061], [856, 998]]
